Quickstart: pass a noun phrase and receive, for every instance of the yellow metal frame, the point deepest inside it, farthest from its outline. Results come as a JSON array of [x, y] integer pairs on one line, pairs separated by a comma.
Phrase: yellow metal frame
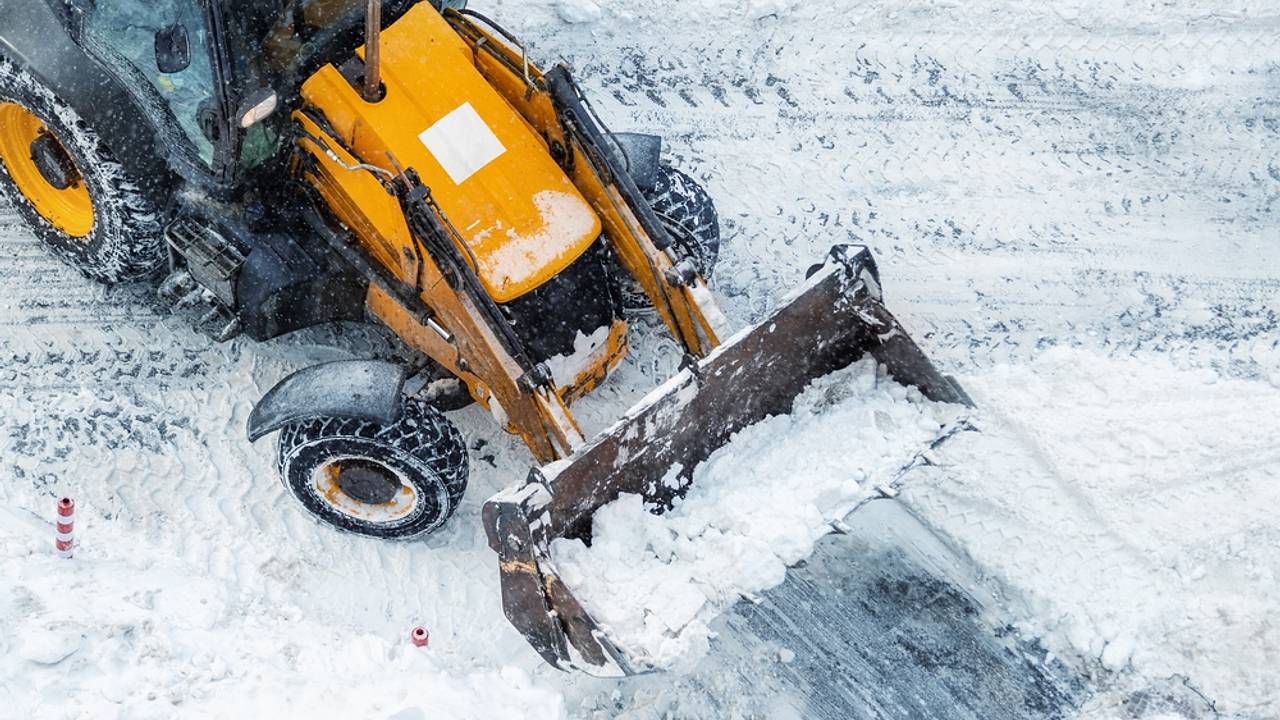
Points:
[[687, 311], [349, 148], [518, 217], [70, 210]]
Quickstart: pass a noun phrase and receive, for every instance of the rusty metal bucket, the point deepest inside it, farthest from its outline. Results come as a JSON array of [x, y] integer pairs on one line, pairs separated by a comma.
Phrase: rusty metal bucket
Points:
[[834, 320]]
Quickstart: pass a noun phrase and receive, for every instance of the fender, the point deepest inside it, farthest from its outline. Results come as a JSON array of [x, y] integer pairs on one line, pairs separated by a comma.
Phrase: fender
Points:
[[360, 389], [641, 156], [35, 35]]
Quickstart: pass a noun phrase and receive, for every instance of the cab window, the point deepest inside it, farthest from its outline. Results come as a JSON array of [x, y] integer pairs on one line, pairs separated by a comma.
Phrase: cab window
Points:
[[161, 48]]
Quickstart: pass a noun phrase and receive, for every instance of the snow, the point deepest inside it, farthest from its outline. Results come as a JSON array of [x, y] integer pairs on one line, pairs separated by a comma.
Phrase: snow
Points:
[[579, 11], [1073, 208], [566, 222], [566, 369], [131, 631], [1129, 506], [754, 508]]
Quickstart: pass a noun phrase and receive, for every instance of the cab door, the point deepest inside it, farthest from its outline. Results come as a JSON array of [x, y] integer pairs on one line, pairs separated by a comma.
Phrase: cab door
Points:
[[161, 51]]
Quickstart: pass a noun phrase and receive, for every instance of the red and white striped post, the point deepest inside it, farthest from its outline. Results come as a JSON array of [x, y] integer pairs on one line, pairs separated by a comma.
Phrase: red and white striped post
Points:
[[66, 523], [420, 637]]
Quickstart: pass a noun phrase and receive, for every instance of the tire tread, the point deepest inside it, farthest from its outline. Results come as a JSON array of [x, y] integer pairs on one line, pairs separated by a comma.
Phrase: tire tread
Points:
[[422, 431], [126, 242]]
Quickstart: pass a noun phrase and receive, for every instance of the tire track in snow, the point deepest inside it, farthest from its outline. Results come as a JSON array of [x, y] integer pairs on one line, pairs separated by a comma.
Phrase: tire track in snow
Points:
[[108, 396], [1019, 196], [945, 168]]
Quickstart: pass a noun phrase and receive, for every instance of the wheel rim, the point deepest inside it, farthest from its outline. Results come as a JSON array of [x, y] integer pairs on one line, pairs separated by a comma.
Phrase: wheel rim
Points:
[[366, 490], [69, 209]]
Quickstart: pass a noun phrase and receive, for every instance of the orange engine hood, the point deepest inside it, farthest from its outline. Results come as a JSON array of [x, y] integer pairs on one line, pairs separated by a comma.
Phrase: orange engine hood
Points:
[[520, 215]]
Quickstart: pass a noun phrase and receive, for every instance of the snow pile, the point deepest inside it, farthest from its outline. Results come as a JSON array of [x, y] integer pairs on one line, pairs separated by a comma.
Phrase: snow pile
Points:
[[756, 506], [145, 636], [578, 11], [1131, 506], [566, 369]]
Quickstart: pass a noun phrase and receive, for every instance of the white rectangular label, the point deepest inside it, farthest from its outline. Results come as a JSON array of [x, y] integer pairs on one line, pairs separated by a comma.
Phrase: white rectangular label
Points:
[[462, 143]]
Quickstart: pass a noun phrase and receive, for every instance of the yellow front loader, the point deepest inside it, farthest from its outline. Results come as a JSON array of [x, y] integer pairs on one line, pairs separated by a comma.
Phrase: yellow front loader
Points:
[[326, 160]]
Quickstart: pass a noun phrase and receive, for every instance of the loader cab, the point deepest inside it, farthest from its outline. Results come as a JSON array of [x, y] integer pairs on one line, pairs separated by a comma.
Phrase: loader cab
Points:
[[198, 66], [174, 57], [273, 47], [160, 50]]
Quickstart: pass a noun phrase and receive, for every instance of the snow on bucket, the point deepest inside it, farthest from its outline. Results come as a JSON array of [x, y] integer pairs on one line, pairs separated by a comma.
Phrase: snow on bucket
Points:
[[66, 523]]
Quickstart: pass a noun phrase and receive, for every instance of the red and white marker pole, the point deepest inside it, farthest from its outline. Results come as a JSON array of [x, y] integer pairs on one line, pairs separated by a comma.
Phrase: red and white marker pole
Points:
[[66, 524], [420, 637]]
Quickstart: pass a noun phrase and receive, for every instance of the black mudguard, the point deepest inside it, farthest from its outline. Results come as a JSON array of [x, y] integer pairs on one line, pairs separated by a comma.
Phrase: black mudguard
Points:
[[642, 157], [361, 389], [37, 35]]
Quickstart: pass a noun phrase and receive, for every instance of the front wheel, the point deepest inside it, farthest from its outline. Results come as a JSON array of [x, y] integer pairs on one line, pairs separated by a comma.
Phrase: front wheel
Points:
[[399, 481], [689, 216]]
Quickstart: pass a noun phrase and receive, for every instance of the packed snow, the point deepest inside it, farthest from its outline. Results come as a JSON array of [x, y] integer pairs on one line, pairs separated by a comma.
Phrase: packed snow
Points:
[[130, 631], [754, 508], [1073, 207], [1129, 506], [567, 369]]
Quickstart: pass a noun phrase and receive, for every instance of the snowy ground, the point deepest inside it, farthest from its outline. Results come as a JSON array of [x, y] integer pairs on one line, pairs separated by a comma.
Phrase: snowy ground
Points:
[[1072, 204]]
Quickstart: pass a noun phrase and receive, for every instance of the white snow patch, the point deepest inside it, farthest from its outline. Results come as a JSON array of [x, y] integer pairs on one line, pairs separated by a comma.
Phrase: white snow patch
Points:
[[1130, 505], [143, 635], [566, 219], [765, 8], [756, 507], [578, 11], [566, 368]]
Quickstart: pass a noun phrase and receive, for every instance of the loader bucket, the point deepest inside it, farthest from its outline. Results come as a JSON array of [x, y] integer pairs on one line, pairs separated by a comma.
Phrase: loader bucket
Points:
[[834, 320]]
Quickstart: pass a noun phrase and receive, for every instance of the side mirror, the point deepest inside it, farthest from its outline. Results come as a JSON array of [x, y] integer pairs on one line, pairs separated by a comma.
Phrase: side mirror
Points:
[[257, 107], [173, 49]]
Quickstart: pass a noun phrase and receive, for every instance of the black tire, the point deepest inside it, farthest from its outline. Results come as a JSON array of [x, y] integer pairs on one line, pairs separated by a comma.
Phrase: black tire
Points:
[[423, 450], [126, 241], [689, 215]]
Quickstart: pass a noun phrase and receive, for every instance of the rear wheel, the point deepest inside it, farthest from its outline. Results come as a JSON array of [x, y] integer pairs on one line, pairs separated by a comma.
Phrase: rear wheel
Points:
[[399, 481], [69, 188], [689, 216]]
